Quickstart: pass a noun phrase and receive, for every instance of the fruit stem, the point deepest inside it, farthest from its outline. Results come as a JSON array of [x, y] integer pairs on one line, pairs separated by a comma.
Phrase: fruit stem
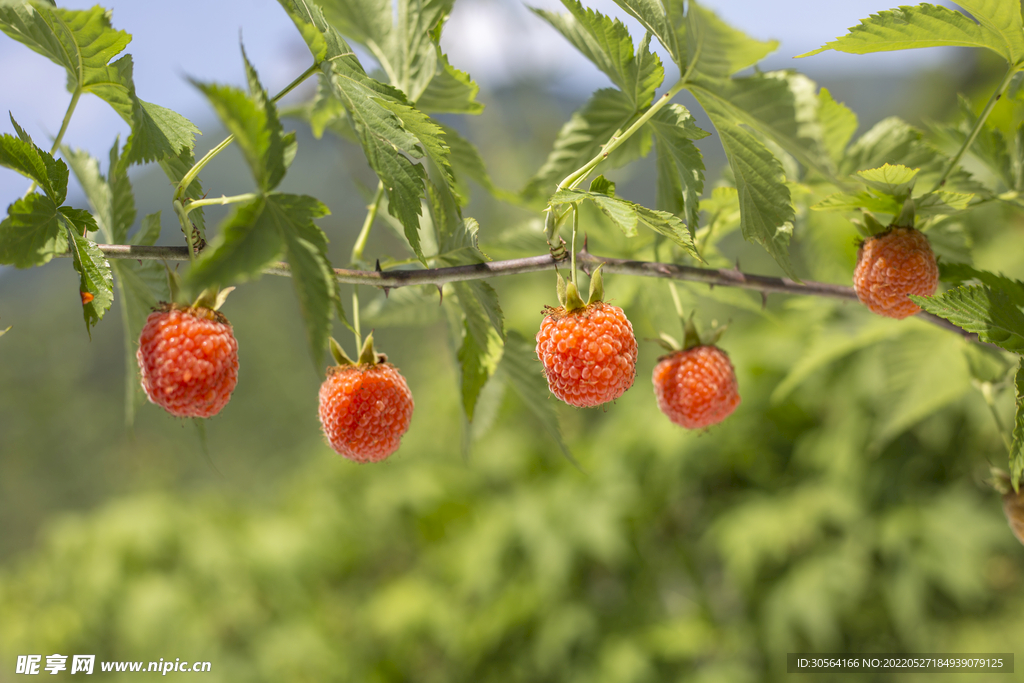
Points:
[[355, 317], [186, 227], [978, 125], [575, 228], [675, 299], [371, 215]]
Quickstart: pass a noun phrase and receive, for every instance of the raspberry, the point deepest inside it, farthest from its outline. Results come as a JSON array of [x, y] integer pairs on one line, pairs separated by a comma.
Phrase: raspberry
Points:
[[589, 354], [364, 410], [892, 265], [696, 388], [189, 360]]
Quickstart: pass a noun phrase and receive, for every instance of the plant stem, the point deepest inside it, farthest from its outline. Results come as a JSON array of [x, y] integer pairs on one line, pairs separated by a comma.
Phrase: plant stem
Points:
[[575, 229], [986, 392], [179, 192], [186, 227], [215, 201], [577, 176], [60, 134], [355, 318], [978, 125], [364, 233]]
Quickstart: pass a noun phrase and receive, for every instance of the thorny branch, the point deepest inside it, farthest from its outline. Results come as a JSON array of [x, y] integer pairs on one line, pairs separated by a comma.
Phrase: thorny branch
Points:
[[391, 279]]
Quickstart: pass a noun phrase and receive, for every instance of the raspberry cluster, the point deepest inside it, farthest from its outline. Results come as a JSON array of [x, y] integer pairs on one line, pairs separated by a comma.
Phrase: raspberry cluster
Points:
[[188, 358], [892, 265], [589, 355], [696, 387]]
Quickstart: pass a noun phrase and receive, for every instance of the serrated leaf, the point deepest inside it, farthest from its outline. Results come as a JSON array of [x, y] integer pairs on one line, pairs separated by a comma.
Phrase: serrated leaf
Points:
[[520, 369], [957, 273], [942, 203], [1003, 19], [766, 211], [450, 91], [401, 38], [651, 15], [716, 49], [252, 119], [606, 43], [22, 155], [96, 283], [838, 124], [894, 180], [1017, 442], [32, 233], [406, 306], [482, 341], [989, 313], [602, 185], [781, 105], [582, 137], [247, 242], [312, 275], [468, 164], [927, 25], [868, 201], [680, 163], [628, 216]]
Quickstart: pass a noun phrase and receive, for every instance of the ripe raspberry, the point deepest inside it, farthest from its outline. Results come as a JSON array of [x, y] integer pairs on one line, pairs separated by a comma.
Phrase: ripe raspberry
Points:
[[589, 354], [364, 410], [696, 388], [189, 360], [892, 265]]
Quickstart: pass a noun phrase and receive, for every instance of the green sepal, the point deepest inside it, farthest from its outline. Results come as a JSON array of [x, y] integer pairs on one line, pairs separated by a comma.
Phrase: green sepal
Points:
[[367, 356], [691, 337], [573, 300], [596, 286], [338, 353], [871, 226], [174, 285], [213, 297], [560, 288], [667, 342]]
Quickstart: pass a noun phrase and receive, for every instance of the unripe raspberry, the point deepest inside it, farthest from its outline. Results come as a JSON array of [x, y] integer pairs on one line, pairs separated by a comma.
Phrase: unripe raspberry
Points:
[[892, 265], [364, 410], [696, 388], [188, 358], [589, 355]]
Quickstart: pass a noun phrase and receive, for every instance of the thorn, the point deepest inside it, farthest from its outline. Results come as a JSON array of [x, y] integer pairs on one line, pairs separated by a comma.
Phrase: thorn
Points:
[[440, 293], [764, 300], [378, 268], [711, 286], [585, 238], [737, 265], [387, 290]]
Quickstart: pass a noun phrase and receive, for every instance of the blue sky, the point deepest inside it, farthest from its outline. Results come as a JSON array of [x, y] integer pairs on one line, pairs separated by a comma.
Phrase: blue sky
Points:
[[494, 40]]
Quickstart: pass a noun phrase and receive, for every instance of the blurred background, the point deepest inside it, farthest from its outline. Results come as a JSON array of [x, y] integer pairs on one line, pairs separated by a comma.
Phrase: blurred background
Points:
[[842, 508]]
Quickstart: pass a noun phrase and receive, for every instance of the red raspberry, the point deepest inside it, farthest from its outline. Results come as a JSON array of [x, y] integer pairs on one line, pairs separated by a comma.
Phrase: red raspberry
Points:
[[696, 388], [364, 410], [189, 360], [892, 265], [589, 355]]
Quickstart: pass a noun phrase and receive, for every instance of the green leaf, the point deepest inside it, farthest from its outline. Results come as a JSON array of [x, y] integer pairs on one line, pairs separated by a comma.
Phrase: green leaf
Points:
[[989, 313], [96, 281], [252, 119], [868, 201], [895, 180], [1017, 443], [717, 50], [247, 242], [450, 91], [402, 39], [628, 216], [482, 339], [113, 203], [582, 137], [1002, 19], [927, 25], [782, 105], [602, 185], [766, 211], [680, 164], [22, 155], [306, 248], [33, 232], [520, 369], [606, 43], [942, 203], [468, 164], [838, 124], [149, 232], [958, 273], [651, 15]]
